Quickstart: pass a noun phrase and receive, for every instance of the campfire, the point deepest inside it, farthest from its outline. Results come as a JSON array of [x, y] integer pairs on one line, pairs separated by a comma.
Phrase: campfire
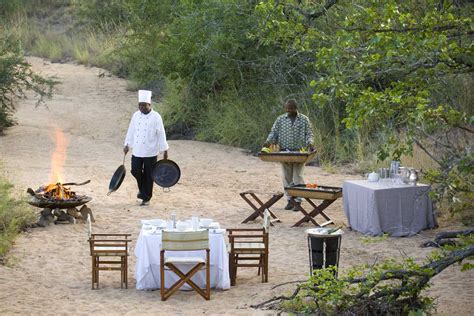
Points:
[[57, 192], [56, 198]]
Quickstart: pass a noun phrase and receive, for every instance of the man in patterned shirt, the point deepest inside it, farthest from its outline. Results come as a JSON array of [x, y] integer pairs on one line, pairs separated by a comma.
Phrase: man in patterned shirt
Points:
[[291, 131]]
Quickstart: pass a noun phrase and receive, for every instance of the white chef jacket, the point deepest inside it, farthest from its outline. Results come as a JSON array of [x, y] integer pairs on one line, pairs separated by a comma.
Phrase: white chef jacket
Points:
[[146, 134]]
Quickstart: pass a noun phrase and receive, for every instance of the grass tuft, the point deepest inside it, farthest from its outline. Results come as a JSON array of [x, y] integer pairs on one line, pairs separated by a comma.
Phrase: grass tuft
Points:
[[14, 217]]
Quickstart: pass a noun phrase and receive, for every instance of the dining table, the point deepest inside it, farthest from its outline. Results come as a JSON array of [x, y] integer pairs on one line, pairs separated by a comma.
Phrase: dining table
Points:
[[147, 253], [397, 209]]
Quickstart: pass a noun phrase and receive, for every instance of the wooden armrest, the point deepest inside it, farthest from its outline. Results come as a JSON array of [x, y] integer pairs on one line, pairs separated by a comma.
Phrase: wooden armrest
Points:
[[245, 236], [230, 230], [124, 241], [111, 234]]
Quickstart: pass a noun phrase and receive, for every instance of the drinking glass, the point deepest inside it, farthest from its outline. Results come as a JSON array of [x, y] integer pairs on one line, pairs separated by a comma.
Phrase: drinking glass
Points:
[[195, 222]]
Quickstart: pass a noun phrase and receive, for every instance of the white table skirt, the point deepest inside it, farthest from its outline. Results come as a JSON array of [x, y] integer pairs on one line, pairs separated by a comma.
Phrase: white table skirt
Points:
[[147, 271], [375, 208]]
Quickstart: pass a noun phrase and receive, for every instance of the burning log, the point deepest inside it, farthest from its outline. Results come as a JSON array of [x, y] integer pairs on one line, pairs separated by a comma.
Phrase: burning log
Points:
[[84, 211]]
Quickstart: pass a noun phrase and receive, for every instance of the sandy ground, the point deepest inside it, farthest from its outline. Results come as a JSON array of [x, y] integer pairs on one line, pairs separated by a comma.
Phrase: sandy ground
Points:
[[50, 269]]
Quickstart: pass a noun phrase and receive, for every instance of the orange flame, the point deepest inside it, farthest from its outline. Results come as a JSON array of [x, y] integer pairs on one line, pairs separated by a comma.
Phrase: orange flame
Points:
[[59, 156]]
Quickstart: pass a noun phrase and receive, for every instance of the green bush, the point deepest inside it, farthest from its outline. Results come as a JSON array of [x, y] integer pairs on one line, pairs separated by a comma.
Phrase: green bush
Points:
[[16, 76], [14, 217]]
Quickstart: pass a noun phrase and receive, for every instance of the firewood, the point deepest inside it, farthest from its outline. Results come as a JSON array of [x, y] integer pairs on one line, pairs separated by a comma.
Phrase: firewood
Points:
[[84, 211], [74, 212], [46, 212], [57, 212], [73, 183]]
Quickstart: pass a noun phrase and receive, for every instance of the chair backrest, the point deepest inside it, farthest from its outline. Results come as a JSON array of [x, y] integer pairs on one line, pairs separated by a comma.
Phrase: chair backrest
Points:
[[266, 220], [195, 240]]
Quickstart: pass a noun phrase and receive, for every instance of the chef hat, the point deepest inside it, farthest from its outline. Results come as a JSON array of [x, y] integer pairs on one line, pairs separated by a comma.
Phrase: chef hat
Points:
[[144, 96]]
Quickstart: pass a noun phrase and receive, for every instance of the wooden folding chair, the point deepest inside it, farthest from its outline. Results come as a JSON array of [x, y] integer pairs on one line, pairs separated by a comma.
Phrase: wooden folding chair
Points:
[[185, 241], [108, 246], [249, 248]]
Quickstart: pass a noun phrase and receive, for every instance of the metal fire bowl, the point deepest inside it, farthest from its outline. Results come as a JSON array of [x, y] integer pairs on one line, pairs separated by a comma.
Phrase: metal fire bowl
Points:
[[58, 204]]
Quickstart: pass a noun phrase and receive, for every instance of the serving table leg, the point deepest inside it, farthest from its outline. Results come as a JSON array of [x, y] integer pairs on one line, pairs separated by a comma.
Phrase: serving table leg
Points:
[[317, 209]]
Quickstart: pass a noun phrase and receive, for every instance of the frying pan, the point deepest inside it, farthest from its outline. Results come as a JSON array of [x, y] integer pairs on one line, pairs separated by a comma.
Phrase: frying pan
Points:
[[166, 173], [117, 178]]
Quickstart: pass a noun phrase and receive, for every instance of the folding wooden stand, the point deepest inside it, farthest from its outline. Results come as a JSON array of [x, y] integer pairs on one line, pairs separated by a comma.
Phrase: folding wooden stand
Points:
[[327, 194], [317, 209], [258, 211]]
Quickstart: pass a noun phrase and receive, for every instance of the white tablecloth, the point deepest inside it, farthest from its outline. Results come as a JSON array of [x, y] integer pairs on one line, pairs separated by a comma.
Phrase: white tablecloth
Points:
[[375, 208], [147, 271]]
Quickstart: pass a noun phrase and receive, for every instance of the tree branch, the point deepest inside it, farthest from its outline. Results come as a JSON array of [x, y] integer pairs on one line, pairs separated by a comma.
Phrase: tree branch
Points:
[[376, 300], [403, 30], [427, 152], [314, 15], [444, 235]]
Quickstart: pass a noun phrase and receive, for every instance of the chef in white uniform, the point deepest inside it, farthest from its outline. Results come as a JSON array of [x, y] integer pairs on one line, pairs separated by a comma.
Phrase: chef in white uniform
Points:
[[147, 137]]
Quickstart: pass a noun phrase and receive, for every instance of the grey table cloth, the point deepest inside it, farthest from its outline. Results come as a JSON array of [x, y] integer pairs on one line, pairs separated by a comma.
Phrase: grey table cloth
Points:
[[374, 208]]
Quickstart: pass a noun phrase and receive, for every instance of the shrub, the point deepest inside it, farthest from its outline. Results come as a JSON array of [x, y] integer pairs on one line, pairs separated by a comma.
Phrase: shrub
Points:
[[14, 217], [16, 76]]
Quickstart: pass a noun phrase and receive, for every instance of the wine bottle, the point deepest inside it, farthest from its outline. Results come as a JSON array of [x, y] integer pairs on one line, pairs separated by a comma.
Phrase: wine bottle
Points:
[[333, 230]]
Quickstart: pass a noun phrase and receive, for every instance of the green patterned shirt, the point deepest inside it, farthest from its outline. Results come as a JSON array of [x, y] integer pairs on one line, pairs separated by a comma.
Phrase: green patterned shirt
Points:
[[291, 135]]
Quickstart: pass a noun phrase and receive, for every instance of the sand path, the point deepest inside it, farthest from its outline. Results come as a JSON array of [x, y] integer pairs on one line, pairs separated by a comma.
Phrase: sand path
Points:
[[51, 266]]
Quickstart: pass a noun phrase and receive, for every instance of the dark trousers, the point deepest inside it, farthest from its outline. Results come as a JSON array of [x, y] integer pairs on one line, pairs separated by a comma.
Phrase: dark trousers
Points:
[[141, 170]]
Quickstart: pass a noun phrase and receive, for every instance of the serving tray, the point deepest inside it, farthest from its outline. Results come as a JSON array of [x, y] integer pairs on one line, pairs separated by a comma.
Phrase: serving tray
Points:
[[321, 192], [287, 156]]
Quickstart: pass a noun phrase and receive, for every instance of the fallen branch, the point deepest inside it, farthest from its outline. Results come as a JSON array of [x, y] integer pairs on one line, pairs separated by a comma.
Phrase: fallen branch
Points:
[[375, 297], [442, 239]]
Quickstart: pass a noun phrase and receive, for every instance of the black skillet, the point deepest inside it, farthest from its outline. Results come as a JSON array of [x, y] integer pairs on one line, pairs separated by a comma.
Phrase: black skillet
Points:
[[166, 173], [117, 178]]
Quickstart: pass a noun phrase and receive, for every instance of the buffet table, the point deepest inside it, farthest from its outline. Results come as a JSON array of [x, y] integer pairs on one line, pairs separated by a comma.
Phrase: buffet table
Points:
[[374, 208], [147, 252]]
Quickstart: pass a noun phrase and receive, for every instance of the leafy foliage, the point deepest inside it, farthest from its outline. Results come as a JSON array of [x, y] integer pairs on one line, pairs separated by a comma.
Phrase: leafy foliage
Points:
[[378, 81], [222, 76], [16, 77], [381, 291], [388, 287], [387, 67], [13, 217]]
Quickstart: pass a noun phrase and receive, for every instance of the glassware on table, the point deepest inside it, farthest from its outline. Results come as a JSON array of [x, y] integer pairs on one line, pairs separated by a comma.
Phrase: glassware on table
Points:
[[394, 166], [383, 173], [173, 220], [195, 222]]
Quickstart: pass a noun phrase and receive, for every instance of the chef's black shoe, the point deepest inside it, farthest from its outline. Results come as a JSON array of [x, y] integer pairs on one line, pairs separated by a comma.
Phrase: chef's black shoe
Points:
[[145, 203], [295, 208], [289, 206]]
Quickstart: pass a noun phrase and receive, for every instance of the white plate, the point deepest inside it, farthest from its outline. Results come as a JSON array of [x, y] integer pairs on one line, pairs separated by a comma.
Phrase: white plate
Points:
[[213, 225], [156, 222]]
